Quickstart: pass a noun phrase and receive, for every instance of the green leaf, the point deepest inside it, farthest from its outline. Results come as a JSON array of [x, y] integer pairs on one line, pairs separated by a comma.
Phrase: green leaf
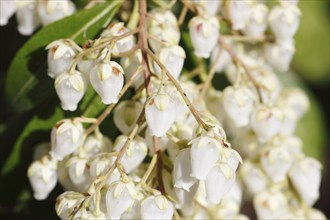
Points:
[[27, 82]]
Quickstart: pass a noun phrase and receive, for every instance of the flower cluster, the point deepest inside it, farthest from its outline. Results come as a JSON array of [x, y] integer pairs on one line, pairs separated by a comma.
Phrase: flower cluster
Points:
[[30, 14], [173, 158]]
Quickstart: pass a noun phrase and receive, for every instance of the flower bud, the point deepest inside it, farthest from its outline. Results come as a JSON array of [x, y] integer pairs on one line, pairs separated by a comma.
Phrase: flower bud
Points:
[[238, 13], [270, 205], [160, 114], [218, 182], [107, 79], [95, 144], [119, 198], [26, 16], [50, 11], [256, 23], [122, 45], [126, 115], [305, 175], [276, 162], [67, 202], [43, 177], [204, 154], [7, 9], [70, 88], [60, 56], [156, 207], [238, 104], [266, 122], [134, 154], [210, 7], [284, 21], [66, 136], [173, 58], [253, 177], [79, 173], [279, 55], [204, 34], [182, 171]]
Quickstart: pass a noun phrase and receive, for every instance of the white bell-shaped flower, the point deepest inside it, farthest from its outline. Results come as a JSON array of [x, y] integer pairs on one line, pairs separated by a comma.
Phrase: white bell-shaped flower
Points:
[[185, 198], [276, 162], [126, 114], [231, 157], [26, 16], [204, 34], [256, 23], [289, 122], [119, 198], [134, 154], [248, 144], [50, 11], [60, 56], [122, 45], [294, 99], [204, 153], [79, 173], [270, 204], [279, 54], [238, 13], [133, 212], [305, 175], [130, 64], [218, 182], [7, 9], [67, 202], [165, 27], [160, 113], [172, 57], [156, 207], [266, 122], [66, 136], [238, 104], [95, 144], [253, 177], [43, 177], [63, 175], [235, 193], [220, 58], [210, 7], [107, 79], [100, 164], [70, 88], [284, 21], [182, 171]]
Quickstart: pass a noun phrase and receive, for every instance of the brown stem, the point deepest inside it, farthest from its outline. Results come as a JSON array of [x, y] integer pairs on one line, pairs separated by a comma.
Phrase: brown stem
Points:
[[240, 62], [159, 164], [143, 42]]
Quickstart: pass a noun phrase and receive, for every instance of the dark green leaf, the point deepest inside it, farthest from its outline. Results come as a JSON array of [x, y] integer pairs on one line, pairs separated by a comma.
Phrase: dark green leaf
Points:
[[27, 83]]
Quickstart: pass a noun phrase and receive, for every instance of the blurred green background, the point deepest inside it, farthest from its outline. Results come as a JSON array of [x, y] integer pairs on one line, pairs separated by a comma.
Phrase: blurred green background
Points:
[[310, 71]]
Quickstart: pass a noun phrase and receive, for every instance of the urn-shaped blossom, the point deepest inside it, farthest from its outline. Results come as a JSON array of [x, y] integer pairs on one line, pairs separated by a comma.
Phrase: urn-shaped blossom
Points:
[[156, 207], [238, 13], [50, 11], [220, 58], [43, 177], [256, 23], [7, 9], [134, 154], [284, 21], [204, 153], [26, 16], [126, 114], [60, 56], [305, 175], [204, 34], [67, 202], [238, 104], [107, 79], [160, 113], [182, 171], [70, 88], [210, 7], [279, 54], [79, 174], [119, 198], [172, 58], [66, 136], [266, 122]]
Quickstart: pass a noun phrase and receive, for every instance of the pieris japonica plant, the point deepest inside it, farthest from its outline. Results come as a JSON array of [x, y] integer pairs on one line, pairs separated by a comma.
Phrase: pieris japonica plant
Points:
[[182, 147]]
